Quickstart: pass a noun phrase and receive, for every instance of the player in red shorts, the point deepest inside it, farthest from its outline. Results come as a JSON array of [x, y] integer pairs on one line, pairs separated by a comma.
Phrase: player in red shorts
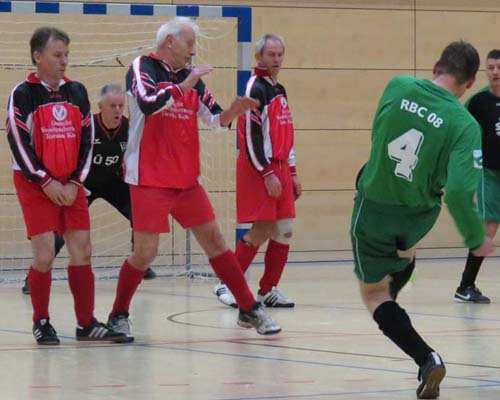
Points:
[[267, 184], [105, 179], [50, 132], [162, 166]]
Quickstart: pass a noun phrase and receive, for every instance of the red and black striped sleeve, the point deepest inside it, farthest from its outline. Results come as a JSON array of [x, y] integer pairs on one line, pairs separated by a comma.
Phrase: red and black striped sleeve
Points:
[[255, 128], [19, 135], [142, 83]]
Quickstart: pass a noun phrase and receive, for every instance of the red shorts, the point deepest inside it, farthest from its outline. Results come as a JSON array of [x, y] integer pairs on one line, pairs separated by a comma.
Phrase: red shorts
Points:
[[151, 207], [42, 215], [252, 201]]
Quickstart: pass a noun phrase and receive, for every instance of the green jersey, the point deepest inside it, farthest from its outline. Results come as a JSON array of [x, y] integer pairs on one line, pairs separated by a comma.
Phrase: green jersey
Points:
[[424, 140]]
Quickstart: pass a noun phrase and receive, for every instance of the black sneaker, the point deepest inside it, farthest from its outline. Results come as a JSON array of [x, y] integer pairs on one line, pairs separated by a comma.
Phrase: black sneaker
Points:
[[259, 319], [26, 287], [431, 374], [149, 274], [97, 331], [471, 294], [44, 333]]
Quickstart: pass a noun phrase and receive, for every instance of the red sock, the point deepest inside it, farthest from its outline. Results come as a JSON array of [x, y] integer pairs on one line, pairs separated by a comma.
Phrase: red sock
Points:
[[39, 284], [274, 264], [128, 281], [229, 271], [245, 253], [81, 284]]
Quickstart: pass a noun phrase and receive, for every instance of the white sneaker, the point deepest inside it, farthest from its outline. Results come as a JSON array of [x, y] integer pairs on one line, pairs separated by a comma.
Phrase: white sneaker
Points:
[[259, 319], [274, 298], [121, 323], [224, 295]]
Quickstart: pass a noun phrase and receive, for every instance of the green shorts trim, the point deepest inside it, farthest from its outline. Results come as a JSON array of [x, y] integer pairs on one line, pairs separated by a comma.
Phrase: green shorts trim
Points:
[[378, 231], [488, 195]]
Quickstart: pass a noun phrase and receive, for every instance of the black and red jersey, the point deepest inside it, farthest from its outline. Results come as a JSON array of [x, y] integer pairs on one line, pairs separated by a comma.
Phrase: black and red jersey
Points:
[[163, 147], [50, 131], [107, 159], [267, 133]]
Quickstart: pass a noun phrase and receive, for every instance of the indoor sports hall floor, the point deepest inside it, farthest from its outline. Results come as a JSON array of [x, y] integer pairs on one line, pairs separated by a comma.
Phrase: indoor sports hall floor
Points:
[[188, 346]]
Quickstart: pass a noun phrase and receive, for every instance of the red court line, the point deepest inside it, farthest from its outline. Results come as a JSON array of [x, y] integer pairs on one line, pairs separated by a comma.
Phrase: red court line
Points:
[[45, 386], [173, 384], [238, 383], [110, 386]]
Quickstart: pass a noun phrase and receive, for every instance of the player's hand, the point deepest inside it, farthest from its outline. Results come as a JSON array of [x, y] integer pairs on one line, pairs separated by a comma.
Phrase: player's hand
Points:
[[194, 76], [239, 105], [242, 104], [297, 186], [70, 190], [273, 185], [486, 248], [54, 191]]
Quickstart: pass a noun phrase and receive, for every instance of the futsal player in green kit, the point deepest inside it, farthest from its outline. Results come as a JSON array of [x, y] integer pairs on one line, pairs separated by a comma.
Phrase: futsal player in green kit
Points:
[[423, 141]]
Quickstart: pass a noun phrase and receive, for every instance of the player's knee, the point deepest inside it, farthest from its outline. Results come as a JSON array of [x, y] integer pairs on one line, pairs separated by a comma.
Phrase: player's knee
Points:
[[43, 259], [284, 231], [144, 256], [81, 253]]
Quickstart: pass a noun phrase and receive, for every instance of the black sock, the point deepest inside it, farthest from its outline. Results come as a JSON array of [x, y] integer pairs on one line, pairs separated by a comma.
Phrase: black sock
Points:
[[393, 321], [471, 270], [400, 279]]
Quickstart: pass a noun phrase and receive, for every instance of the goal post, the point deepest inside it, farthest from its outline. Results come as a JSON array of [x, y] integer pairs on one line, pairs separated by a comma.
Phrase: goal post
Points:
[[105, 38]]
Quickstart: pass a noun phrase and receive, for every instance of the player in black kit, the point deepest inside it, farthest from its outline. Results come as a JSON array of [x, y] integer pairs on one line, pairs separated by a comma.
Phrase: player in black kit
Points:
[[105, 177], [485, 108]]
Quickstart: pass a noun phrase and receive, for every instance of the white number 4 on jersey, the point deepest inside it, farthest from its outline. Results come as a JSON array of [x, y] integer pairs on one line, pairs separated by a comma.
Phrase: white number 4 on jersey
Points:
[[404, 150]]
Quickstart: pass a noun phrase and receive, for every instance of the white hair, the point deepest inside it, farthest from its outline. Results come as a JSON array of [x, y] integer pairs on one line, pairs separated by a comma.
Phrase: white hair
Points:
[[173, 28], [261, 42], [111, 88]]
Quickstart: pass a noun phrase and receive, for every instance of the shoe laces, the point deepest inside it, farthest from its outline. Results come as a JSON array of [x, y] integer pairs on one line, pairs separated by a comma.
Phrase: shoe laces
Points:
[[46, 328], [278, 294], [121, 320], [261, 313], [476, 290]]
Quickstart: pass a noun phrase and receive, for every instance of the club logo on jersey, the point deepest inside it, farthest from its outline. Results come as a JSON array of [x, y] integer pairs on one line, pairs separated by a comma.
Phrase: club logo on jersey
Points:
[[59, 112], [283, 101], [478, 158], [123, 146]]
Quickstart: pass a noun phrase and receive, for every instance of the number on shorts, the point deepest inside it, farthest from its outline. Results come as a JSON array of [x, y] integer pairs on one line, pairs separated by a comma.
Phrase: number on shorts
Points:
[[404, 150]]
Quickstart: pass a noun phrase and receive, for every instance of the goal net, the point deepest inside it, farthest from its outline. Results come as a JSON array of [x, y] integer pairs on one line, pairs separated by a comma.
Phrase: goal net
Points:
[[105, 38]]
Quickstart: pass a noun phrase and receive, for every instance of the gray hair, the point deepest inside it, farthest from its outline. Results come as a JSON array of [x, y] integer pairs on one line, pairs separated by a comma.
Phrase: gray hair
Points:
[[261, 42], [111, 88], [173, 28]]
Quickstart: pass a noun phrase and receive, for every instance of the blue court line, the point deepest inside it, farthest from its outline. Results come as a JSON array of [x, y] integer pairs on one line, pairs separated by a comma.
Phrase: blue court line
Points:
[[298, 396], [259, 357], [487, 382], [493, 382]]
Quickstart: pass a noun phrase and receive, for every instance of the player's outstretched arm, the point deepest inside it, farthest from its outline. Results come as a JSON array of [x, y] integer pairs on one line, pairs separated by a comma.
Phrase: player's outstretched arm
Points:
[[239, 105]]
